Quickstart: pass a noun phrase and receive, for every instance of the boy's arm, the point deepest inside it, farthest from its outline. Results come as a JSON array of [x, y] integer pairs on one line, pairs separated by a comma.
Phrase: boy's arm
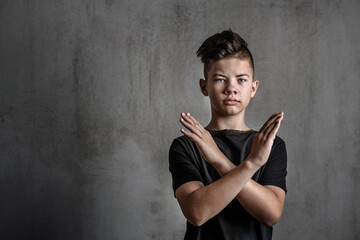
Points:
[[264, 203], [200, 203]]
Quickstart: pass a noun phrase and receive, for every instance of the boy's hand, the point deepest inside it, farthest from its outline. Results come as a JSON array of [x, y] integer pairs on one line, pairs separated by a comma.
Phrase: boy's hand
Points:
[[264, 139], [202, 138]]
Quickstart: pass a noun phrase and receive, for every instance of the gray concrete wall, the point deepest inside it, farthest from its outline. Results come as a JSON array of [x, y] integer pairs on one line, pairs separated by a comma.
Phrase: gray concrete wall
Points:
[[90, 98]]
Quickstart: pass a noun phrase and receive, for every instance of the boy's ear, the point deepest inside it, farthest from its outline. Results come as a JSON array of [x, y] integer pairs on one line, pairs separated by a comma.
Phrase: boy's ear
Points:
[[255, 85], [202, 84]]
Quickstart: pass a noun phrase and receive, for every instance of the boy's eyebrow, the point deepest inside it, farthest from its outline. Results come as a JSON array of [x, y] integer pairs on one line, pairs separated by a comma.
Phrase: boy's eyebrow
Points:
[[242, 75], [239, 75], [218, 74]]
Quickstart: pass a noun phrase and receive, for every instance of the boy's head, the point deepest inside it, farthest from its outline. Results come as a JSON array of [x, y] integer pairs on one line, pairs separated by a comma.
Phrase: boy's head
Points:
[[221, 45]]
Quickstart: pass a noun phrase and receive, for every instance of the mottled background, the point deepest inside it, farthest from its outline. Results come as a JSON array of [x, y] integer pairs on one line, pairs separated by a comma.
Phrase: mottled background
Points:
[[90, 98]]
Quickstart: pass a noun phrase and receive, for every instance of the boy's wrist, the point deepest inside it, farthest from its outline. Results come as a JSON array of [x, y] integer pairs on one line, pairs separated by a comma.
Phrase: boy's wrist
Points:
[[251, 164], [223, 165]]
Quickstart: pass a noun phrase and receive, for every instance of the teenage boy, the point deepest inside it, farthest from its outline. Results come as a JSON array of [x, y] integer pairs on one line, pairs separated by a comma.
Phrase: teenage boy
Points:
[[229, 180]]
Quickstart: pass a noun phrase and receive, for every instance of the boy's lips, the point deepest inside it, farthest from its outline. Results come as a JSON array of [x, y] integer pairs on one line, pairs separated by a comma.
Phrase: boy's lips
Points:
[[231, 101]]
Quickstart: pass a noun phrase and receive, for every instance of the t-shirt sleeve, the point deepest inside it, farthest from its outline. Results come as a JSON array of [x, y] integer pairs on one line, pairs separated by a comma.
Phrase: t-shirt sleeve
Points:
[[275, 169], [182, 163]]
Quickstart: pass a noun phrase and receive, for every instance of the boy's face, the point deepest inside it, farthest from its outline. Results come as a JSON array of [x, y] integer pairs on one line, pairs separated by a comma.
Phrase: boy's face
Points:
[[229, 85]]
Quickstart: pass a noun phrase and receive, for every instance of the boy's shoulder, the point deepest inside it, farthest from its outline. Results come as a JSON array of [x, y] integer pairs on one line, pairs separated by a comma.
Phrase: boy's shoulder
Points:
[[181, 141]]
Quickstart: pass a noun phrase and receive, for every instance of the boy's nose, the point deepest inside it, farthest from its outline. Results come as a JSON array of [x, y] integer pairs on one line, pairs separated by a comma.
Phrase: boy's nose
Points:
[[230, 89]]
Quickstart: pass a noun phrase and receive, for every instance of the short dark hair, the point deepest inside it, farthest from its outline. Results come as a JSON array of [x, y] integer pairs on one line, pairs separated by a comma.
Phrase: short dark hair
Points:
[[224, 44]]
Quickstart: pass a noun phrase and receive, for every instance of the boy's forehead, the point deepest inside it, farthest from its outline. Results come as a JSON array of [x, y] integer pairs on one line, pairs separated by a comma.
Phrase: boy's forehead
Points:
[[230, 66]]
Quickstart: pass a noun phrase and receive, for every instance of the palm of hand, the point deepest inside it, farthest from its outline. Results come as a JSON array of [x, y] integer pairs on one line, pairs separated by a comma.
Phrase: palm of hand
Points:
[[202, 138]]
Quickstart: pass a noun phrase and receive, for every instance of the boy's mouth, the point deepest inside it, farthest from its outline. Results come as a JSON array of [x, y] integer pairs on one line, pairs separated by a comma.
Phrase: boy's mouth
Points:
[[231, 101]]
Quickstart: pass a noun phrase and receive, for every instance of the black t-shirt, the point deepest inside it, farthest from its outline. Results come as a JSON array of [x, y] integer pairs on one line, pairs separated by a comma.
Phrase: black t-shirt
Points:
[[233, 222]]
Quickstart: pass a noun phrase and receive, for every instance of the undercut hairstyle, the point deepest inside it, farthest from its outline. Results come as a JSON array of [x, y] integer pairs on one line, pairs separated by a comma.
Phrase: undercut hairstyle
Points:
[[221, 45]]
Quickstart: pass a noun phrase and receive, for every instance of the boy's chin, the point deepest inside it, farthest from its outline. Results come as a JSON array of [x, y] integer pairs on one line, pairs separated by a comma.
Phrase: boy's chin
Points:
[[231, 113]]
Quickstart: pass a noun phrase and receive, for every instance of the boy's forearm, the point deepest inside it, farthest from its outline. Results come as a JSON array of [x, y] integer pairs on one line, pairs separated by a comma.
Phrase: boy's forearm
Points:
[[264, 203], [260, 201], [206, 202]]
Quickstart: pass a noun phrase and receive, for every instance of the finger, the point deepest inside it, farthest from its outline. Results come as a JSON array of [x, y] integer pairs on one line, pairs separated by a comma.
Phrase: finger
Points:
[[193, 137], [275, 129], [186, 116], [195, 122], [189, 118], [269, 122], [189, 125], [271, 126]]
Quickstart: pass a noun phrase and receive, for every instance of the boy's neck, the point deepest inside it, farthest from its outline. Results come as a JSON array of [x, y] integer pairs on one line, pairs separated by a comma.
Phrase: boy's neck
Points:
[[235, 122]]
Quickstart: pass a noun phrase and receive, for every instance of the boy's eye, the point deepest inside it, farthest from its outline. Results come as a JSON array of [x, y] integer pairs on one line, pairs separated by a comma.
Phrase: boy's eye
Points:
[[242, 80], [220, 80]]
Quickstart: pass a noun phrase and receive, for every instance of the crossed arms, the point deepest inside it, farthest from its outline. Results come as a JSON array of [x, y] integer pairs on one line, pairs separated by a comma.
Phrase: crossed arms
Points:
[[200, 203]]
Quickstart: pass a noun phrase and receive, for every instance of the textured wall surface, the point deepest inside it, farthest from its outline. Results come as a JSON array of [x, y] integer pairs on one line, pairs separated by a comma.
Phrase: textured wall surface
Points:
[[91, 93]]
